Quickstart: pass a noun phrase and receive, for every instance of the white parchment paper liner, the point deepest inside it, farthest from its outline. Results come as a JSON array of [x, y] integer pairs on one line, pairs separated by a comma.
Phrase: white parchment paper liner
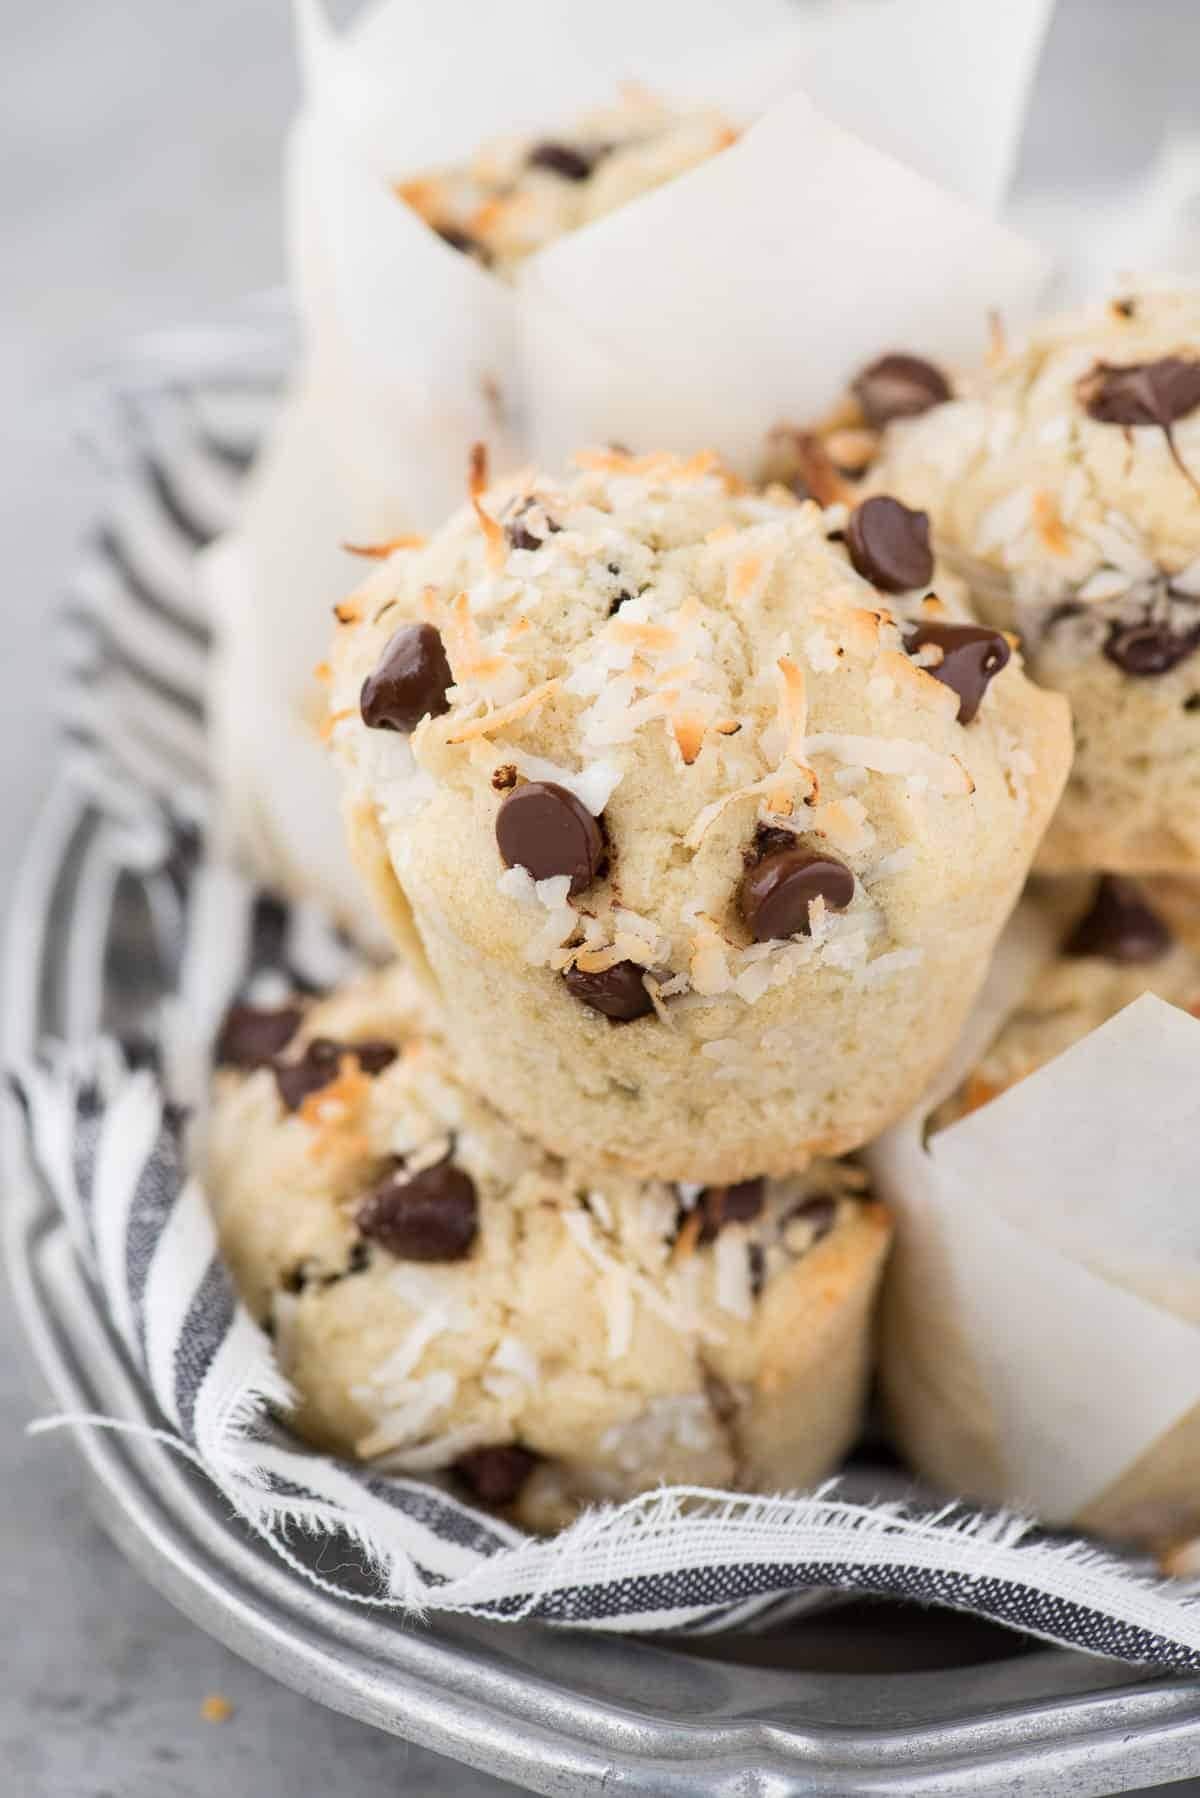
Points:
[[1041, 1326], [695, 317]]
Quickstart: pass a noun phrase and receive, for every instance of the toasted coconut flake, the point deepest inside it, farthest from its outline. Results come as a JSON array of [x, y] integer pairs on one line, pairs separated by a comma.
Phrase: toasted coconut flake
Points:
[[381, 551], [688, 731], [685, 1243], [793, 706], [642, 635], [462, 636], [1048, 524], [778, 785], [323, 673], [503, 715], [661, 463], [331, 721], [477, 480], [348, 611]]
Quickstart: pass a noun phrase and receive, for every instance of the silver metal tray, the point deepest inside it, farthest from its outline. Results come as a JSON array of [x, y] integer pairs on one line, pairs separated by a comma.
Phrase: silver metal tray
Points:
[[864, 1699]]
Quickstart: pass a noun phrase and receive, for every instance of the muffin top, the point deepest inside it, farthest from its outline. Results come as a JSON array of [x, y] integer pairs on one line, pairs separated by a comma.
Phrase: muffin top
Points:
[[686, 729], [519, 193], [1069, 467]]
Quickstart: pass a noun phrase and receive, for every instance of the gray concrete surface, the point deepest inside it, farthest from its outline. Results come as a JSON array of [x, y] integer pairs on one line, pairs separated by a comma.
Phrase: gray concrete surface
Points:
[[138, 186]]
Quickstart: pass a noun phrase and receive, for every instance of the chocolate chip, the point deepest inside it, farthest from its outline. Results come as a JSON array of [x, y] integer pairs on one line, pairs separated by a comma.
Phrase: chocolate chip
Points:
[[972, 655], [619, 992], [721, 1205], [409, 683], [777, 891], [1145, 393], [251, 1037], [889, 544], [430, 1216], [1151, 647], [463, 241], [1119, 926], [544, 829], [566, 160], [1142, 393], [496, 1475], [899, 386], [819, 1212], [321, 1063]]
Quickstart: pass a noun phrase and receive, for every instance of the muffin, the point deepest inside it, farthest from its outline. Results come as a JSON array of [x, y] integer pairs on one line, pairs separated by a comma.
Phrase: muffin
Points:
[[1118, 940], [519, 193], [697, 808], [447, 1297], [1062, 482]]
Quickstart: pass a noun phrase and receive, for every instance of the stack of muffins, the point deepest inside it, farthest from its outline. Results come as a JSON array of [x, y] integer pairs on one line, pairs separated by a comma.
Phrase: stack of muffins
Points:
[[694, 811]]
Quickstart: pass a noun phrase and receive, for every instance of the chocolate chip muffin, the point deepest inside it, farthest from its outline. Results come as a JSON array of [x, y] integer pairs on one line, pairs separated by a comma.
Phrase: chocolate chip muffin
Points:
[[699, 809], [519, 193], [1063, 482], [1117, 940], [446, 1297]]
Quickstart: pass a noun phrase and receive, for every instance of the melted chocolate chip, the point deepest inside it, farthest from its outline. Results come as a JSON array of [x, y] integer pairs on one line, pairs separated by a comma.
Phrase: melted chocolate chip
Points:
[[777, 891], [819, 1212], [496, 1475], [889, 544], [430, 1216], [320, 1065], [1142, 393], [1119, 926], [410, 682], [1151, 647], [251, 1037], [899, 386], [619, 992], [972, 655], [567, 160], [721, 1205], [1145, 393], [544, 829]]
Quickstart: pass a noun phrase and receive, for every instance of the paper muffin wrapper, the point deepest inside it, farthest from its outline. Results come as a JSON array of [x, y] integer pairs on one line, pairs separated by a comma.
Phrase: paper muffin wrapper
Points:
[[1041, 1338], [695, 317]]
